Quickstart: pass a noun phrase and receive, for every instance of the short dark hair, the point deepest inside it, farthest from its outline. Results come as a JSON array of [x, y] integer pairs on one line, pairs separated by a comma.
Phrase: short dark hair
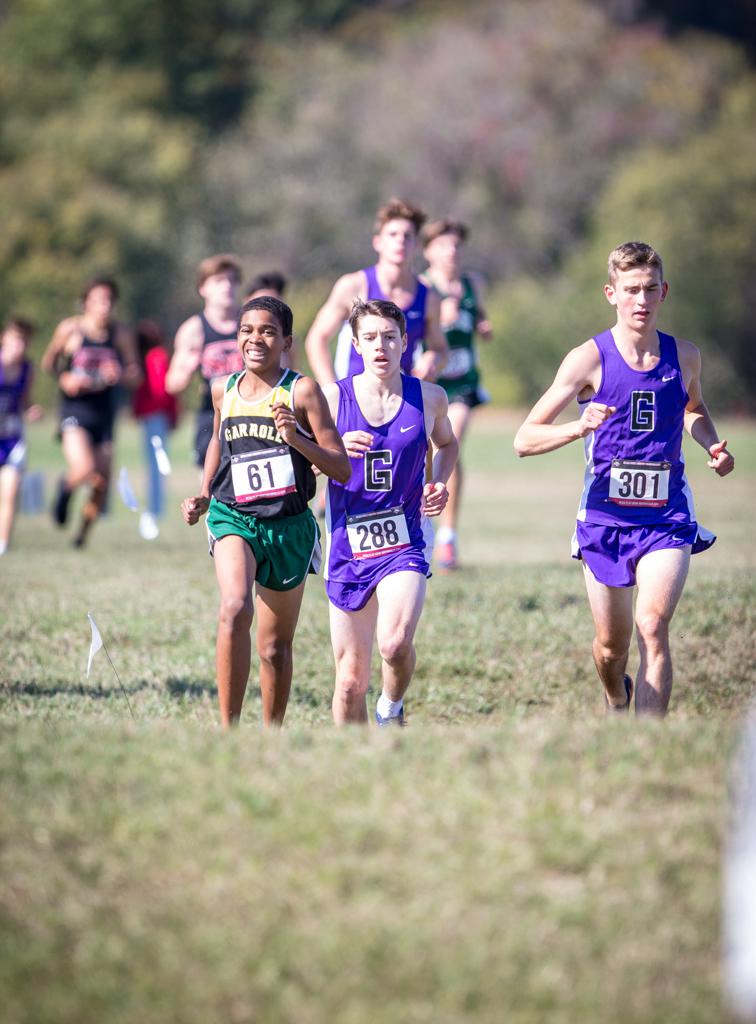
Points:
[[221, 263], [100, 281], [20, 324], [273, 280], [279, 309], [376, 307], [444, 226], [148, 335], [399, 209]]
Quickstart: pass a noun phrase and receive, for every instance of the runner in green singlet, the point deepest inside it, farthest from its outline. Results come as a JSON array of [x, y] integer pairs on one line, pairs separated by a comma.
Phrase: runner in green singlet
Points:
[[462, 316]]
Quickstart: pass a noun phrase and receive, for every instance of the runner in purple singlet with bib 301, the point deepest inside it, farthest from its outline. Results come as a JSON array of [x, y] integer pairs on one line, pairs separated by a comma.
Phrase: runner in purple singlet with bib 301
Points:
[[638, 389]]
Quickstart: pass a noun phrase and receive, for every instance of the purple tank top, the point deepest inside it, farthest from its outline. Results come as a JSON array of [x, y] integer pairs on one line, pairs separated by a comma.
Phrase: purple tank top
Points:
[[11, 399], [378, 512], [635, 471], [414, 314]]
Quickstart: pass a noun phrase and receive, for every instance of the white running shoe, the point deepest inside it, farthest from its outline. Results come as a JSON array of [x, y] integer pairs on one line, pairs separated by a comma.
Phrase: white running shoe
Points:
[[148, 527]]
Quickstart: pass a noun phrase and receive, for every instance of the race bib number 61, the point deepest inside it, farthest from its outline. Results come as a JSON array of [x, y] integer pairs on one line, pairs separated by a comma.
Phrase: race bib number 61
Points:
[[265, 474]]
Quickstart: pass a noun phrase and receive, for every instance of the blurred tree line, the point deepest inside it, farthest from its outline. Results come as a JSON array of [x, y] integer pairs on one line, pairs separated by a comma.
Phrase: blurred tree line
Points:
[[137, 138]]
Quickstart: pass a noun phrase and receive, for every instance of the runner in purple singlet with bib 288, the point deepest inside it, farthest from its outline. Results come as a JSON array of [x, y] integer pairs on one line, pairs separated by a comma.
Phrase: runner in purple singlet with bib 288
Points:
[[379, 543]]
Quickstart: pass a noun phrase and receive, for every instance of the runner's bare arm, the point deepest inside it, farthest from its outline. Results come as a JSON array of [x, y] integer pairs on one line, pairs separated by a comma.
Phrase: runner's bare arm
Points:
[[70, 384], [328, 322], [132, 374], [356, 442], [326, 452], [580, 370], [187, 350], [431, 362], [32, 411], [698, 421], [435, 494], [196, 506], [55, 350], [482, 324]]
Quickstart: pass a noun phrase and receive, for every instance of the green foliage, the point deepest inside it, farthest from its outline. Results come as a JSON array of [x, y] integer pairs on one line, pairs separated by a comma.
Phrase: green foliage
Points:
[[104, 197], [137, 138], [693, 203], [511, 116], [198, 48]]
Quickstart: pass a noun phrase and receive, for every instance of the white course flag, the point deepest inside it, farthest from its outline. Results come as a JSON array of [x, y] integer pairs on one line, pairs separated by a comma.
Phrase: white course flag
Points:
[[127, 491], [96, 642], [161, 456]]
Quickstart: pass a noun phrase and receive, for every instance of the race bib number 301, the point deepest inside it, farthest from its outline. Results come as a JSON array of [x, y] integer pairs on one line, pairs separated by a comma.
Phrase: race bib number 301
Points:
[[639, 483], [377, 533], [265, 474]]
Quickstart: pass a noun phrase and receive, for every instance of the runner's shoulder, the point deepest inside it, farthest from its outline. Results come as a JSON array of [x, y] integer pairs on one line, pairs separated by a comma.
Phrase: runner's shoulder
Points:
[[69, 328], [688, 353], [349, 287], [434, 396], [585, 356], [307, 388], [190, 333], [218, 388]]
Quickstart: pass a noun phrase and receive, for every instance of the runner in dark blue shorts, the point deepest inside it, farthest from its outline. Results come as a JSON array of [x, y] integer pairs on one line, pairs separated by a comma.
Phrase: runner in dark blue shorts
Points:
[[16, 374]]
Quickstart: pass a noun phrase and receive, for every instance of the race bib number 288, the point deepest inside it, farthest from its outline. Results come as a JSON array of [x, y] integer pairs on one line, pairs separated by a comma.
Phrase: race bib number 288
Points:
[[377, 533], [639, 483]]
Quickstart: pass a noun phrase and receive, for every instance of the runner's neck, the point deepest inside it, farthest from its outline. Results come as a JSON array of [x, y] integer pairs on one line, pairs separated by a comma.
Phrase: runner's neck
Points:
[[396, 275], [220, 317]]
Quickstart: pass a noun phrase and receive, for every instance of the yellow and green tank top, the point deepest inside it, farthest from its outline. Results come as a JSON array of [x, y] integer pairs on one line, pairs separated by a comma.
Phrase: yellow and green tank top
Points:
[[259, 474]]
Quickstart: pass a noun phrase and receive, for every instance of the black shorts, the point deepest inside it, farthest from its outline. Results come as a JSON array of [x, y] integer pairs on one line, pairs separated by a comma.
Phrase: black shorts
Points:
[[99, 428], [202, 435], [471, 397]]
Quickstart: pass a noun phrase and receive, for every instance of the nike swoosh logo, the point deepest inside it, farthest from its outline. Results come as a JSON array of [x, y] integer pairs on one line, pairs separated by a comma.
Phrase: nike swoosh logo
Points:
[[403, 430], [671, 377], [290, 579]]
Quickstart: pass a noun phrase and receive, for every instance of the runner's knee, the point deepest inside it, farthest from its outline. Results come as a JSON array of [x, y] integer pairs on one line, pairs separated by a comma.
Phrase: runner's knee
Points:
[[275, 652], [99, 482], [396, 648], [609, 649], [350, 685], [652, 626], [235, 612], [80, 471]]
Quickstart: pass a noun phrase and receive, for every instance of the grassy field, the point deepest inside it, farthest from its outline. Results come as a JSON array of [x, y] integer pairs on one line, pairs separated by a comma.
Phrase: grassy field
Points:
[[511, 856]]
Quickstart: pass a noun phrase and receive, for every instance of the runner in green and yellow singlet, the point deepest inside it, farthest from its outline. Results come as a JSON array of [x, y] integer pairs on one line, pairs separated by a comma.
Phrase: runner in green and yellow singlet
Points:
[[271, 426]]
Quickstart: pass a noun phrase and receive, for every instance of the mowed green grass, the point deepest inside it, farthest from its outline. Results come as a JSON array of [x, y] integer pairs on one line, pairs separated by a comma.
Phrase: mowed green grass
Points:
[[511, 856]]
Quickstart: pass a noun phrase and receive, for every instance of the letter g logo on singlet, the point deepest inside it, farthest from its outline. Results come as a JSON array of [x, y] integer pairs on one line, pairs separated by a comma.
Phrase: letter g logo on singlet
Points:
[[378, 478], [642, 411]]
